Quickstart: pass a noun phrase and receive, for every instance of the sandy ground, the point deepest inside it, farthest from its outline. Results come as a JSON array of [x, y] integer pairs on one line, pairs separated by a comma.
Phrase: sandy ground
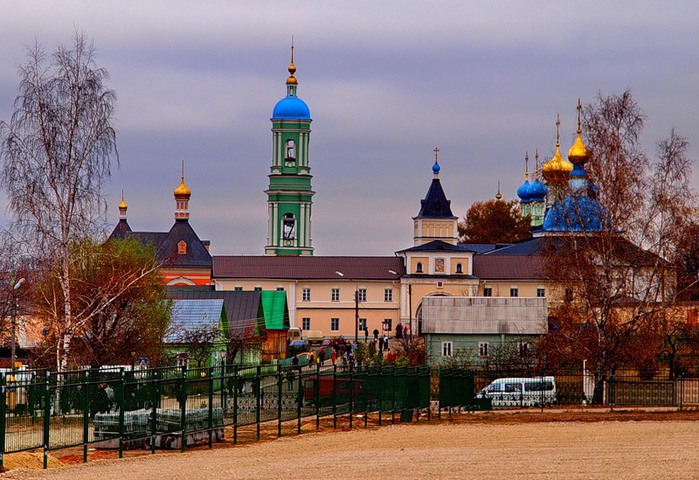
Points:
[[488, 446]]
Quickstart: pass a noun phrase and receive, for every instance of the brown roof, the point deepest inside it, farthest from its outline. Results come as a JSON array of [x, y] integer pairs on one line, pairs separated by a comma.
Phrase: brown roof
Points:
[[506, 267], [307, 268]]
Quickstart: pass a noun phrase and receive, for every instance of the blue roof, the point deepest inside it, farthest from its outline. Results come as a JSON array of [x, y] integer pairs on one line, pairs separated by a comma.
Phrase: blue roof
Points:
[[292, 108], [537, 191], [190, 315], [574, 214]]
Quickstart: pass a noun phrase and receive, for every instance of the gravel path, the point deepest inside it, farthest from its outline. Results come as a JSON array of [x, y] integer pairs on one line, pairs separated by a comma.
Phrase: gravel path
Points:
[[565, 450]]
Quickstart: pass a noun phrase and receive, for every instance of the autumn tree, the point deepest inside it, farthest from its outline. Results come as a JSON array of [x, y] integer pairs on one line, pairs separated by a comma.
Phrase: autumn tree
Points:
[[118, 294], [56, 154], [198, 342], [494, 221], [618, 278]]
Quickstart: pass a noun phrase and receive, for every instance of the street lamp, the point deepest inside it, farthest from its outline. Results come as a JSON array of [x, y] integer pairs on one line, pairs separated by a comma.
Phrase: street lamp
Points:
[[356, 308], [13, 341]]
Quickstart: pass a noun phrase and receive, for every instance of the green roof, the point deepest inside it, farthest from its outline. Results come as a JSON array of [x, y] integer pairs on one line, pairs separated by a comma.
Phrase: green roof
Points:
[[275, 309]]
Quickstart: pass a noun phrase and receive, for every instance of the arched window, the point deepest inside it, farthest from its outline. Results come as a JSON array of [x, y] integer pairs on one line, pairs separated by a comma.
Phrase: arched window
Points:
[[288, 226], [418, 267], [290, 151], [459, 268]]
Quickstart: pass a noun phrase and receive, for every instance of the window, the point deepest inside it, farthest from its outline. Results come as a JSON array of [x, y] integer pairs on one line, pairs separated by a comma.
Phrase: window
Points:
[[387, 324], [514, 291], [238, 289], [362, 324], [288, 226], [523, 349], [290, 154], [418, 267], [306, 323], [568, 296], [335, 295], [459, 268], [258, 289], [540, 292], [487, 291], [388, 295], [334, 324], [483, 349], [447, 348], [182, 247], [280, 289], [361, 295], [306, 295]]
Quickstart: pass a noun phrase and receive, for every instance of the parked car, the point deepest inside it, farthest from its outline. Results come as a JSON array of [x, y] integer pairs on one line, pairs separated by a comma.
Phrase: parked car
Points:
[[521, 392]]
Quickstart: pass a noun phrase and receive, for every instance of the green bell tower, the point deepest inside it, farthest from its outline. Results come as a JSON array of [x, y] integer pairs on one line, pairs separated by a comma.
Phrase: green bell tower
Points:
[[289, 196]]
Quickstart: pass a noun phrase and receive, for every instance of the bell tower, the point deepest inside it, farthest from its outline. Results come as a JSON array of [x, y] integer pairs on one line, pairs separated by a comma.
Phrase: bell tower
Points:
[[289, 196]]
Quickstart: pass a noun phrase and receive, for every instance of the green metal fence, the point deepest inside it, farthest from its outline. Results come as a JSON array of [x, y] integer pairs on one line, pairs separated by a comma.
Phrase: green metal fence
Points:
[[178, 407]]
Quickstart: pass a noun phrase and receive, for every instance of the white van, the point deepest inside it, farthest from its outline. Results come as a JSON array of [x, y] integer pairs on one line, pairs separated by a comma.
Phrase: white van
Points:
[[521, 392]]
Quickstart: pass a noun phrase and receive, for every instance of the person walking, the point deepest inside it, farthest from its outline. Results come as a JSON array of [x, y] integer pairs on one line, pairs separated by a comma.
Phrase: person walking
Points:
[[321, 356], [333, 357], [385, 342]]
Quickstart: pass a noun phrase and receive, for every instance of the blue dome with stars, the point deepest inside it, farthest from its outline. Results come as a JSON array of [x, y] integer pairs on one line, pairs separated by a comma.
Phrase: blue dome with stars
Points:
[[524, 192], [575, 214], [537, 191]]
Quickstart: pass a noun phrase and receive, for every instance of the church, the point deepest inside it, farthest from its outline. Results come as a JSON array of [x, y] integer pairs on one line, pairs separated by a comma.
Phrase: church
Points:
[[457, 295]]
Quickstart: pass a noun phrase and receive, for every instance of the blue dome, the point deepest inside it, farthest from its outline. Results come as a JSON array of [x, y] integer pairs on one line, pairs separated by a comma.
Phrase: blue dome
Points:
[[524, 192], [537, 191], [292, 108], [575, 214], [435, 168]]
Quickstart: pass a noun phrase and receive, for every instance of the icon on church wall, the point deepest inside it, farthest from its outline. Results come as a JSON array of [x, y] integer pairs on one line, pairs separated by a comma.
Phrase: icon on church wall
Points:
[[439, 265]]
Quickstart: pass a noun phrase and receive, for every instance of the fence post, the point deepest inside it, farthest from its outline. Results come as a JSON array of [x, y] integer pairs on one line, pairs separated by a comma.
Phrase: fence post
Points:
[[351, 398], [612, 393], [317, 396], [235, 404], [211, 405], [122, 398], [86, 412], [299, 401], [366, 395], [182, 397], [155, 398], [280, 380], [334, 396], [47, 416], [258, 396], [380, 395], [681, 389], [3, 419], [393, 395]]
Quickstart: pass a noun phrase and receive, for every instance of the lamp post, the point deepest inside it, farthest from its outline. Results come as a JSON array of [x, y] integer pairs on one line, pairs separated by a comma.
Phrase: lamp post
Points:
[[356, 308], [13, 341]]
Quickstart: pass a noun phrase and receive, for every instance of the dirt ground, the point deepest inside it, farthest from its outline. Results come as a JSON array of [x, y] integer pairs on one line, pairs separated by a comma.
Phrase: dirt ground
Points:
[[485, 445]]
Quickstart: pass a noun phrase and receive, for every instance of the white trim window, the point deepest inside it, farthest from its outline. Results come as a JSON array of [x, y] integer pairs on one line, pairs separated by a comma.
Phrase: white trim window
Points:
[[388, 294], [487, 291], [306, 323], [483, 348], [361, 294], [540, 292], [362, 325], [335, 295], [306, 294], [447, 349], [334, 324], [514, 291]]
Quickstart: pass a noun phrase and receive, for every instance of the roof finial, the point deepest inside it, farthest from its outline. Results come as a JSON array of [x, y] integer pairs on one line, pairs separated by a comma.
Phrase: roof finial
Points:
[[526, 166], [498, 196], [122, 206], [292, 68], [558, 130], [536, 171], [436, 168], [579, 113]]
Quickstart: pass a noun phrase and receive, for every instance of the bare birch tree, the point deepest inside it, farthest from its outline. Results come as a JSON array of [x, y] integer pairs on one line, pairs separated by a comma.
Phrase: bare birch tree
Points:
[[620, 277], [56, 156]]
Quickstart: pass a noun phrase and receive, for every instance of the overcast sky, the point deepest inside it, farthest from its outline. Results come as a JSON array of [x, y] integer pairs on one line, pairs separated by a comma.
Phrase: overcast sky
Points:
[[386, 82]]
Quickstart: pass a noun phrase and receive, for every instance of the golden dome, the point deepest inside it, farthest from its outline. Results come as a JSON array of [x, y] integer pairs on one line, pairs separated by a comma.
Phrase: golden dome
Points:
[[183, 190], [578, 152], [122, 204], [557, 170]]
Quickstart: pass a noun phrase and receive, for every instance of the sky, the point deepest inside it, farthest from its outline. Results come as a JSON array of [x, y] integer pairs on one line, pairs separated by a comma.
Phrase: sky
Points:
[[386, 83]]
